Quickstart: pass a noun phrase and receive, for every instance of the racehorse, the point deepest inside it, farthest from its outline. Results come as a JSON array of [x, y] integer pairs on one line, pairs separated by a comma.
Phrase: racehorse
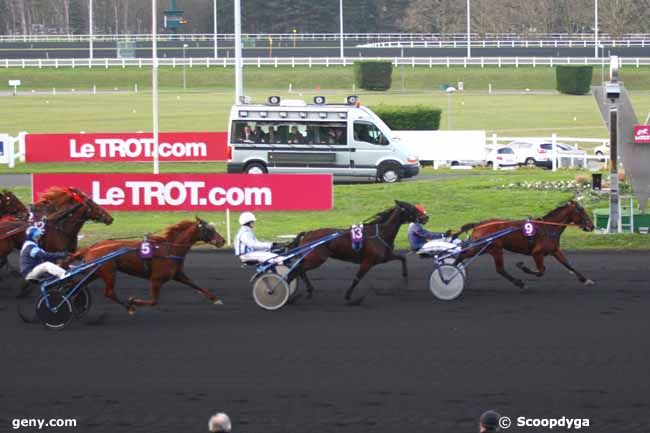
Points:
[[165, 264], [11, 205], [545, 241], [64, 211], [378, 243]]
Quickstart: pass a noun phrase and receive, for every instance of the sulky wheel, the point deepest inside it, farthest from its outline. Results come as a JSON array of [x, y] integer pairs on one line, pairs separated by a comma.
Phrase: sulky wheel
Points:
[[282, 271], [58, 315], [459, 265], [270, 291], [81, 302], [447, 282]]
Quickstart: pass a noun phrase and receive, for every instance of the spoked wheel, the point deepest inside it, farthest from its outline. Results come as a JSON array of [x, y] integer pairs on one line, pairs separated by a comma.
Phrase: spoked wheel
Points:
[[447, 282], [270, 291], [82, 302], [460, 265], [60, 312], [282, 271]]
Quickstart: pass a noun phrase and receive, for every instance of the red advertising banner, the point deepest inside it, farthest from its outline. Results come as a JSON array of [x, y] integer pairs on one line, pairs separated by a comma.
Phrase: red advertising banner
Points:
[[134, 147], [197, 192], [642, 134]]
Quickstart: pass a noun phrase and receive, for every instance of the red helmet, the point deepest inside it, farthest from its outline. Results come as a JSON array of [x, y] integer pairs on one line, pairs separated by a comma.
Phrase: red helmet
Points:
[[421, 209]]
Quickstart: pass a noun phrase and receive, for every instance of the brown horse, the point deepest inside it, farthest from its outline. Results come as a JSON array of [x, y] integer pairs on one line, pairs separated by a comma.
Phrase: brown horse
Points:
[[546, 240], [379, 235], [64, 211], [11, 205], [169, 251]]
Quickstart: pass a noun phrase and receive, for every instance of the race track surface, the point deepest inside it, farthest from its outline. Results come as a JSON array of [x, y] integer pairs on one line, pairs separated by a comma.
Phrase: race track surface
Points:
[[402, 363]]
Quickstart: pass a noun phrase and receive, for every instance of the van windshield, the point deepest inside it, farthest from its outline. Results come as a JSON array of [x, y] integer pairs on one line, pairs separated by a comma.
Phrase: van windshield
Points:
[[292, 132]]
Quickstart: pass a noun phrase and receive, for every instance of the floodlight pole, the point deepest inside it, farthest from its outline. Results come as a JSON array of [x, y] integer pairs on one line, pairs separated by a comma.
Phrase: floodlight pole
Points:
[[469, 34], [596, 28], [154, 84], [90, 27], [614, 198], [341, 47], [216, 54], [239, 76]]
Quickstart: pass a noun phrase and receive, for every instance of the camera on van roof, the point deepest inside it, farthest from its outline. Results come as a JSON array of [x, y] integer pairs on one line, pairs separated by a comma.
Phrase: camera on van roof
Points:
[[319, 100], [274, 100], [351, 100]]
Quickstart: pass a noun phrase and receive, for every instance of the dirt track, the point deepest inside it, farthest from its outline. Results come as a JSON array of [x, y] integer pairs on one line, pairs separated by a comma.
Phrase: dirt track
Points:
[[399, 363]]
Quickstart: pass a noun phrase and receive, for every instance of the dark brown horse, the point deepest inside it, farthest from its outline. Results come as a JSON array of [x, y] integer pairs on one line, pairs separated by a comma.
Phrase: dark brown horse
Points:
[[11, 205], [546, 240], [169, 251], [379, 236], [64, 211]]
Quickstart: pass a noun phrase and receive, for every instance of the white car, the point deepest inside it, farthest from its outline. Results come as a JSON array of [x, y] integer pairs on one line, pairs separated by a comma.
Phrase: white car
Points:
[[537, 152], [602, 151], [502, 156]]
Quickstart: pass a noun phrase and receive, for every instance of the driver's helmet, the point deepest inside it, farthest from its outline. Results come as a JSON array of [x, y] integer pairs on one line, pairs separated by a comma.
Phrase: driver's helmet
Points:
[[246, 217], [33, 233]]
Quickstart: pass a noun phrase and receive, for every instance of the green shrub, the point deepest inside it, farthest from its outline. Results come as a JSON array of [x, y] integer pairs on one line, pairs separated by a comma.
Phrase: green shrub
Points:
[[409, 117], [373, 75], [573, 80]]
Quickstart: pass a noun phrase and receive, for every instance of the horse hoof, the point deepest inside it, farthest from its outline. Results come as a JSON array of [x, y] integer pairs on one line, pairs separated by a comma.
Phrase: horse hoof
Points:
[[217, 302], [520, 265], [589, 283], [355, 302]]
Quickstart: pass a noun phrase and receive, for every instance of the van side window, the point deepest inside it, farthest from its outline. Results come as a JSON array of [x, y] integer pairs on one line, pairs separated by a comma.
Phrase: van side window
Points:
[[288, 132], [369, 133]]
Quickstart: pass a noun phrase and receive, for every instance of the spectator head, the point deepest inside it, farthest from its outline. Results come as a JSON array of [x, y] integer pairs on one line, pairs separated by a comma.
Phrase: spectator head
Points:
[[489, 422], [294, 129], [219, 422], [247, 128]]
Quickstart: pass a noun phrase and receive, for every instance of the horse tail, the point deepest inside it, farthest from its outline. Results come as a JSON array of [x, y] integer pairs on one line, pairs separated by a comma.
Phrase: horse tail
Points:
[[296, 241]]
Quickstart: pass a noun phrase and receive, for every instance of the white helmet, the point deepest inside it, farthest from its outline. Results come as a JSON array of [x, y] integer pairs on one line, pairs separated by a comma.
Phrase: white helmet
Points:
[[246, 217]]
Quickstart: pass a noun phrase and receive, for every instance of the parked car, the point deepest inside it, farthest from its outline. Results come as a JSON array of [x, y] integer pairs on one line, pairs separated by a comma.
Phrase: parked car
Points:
[[602, 151], [537, 152], [503, 156]]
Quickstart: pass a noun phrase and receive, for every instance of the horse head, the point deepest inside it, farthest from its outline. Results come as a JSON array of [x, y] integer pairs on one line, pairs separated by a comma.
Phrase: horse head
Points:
[[579, 216], [208, 234], [11, 205], [92, 211], [410, 213]]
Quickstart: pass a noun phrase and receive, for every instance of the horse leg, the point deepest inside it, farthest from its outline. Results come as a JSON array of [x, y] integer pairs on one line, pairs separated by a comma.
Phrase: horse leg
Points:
[[539, 262], [363, 270], [560, 257], [401, 258], [184, 279], [152, 301], [497, 255], [310, 286], [109, 288]]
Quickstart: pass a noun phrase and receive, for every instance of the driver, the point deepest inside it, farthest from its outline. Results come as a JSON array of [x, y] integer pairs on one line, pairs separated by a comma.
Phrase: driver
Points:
[[417, 234], [36, 262], [247, 247]]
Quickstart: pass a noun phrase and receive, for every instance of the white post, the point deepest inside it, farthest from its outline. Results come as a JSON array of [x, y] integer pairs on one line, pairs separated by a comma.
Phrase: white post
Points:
[[469, 37], [216, 53], [90, 27], [495, 144], [228, 226], [553, 152], [239, 81], [9, 141], [154, 84], [342, 50], [22, 136], [596, 28]]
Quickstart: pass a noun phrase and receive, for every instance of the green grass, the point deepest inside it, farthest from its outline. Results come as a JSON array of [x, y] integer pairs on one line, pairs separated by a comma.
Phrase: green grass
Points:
[[451, 202]]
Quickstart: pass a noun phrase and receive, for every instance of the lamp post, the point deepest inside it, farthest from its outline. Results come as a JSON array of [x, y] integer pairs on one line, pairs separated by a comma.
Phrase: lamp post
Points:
[[613, 93], [184, 70], [154, 84], [595, 28], [239, 76], [216, 54], [469, 34], [342, 50], [90, 27]]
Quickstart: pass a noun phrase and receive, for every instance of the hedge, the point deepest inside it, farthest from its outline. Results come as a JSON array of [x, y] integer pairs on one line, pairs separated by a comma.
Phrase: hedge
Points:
[[573, 80], [373, 75], [410, 117]]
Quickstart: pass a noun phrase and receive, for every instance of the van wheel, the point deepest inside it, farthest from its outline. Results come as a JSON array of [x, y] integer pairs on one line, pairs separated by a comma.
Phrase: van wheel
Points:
[[599, 154], [255, 168], [489, 164], [530, 162], [389, 173]]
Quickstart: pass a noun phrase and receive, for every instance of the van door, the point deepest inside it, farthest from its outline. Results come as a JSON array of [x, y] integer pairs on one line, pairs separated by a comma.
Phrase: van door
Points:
[[371, 145]]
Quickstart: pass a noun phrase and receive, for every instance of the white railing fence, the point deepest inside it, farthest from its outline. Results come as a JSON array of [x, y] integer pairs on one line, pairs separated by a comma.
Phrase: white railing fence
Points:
[[276, 62], [560, 159], [8, 152]]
